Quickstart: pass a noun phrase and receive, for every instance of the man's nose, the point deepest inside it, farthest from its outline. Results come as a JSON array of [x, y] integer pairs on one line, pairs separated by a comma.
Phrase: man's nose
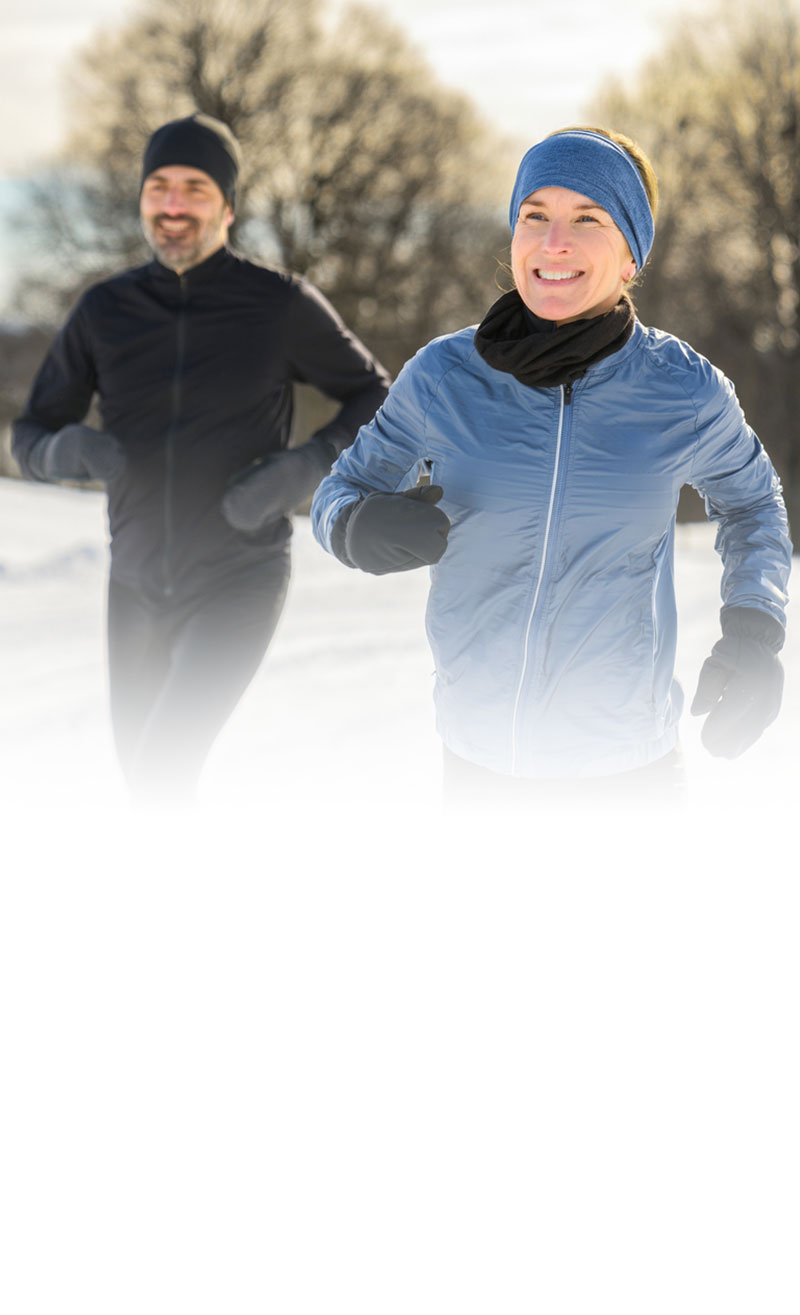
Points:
[[173, 200]]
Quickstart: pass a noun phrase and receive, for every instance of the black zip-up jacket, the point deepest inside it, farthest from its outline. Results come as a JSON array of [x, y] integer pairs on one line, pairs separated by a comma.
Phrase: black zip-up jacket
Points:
[[194, 376]]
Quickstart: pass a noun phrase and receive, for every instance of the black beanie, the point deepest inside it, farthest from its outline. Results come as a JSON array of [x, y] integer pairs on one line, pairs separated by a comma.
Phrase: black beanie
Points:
[[198, 142]]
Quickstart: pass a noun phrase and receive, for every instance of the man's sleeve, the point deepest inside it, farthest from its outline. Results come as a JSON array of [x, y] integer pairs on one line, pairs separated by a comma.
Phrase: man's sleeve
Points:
[[322, 351], [61, 392], [743, 498]]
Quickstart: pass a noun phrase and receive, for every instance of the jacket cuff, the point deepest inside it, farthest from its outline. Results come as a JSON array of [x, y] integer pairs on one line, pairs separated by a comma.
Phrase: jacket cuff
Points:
[[753, 623], [332, 439], [36, 458], [323, 447], [339, 534]]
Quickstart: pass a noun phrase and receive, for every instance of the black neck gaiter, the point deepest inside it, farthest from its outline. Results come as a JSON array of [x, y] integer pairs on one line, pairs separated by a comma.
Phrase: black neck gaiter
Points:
[[543, 355]]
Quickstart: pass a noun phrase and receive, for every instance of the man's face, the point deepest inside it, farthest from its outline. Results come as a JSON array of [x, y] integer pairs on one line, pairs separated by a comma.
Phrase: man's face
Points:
[[184, 216]]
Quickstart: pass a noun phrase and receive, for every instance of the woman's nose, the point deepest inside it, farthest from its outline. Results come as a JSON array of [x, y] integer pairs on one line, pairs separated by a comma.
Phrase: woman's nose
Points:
[[557, 236]]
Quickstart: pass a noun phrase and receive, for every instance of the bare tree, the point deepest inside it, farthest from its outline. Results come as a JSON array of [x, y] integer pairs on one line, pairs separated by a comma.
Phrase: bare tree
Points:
[[719, 110], [359, 170]]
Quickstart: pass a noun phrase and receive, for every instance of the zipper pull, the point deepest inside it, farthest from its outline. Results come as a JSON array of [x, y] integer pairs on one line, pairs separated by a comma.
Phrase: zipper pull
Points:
[[567, 394]]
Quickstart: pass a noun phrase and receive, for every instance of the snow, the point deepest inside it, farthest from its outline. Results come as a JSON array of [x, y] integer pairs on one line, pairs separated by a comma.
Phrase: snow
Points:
[[342, 705], [315, 1047]]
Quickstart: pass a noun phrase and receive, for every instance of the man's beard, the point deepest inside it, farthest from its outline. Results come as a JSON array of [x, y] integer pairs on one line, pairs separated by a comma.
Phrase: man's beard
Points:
[[180, 250]]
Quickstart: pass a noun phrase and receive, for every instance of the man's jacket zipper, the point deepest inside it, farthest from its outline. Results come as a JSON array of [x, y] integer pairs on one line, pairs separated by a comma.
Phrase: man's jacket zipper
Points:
[[169, 453]]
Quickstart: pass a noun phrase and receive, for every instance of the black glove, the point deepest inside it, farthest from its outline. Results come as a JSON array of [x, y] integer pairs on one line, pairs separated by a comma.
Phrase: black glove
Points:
[[276, 485], [741, 684], [78, 452], [387, 532]]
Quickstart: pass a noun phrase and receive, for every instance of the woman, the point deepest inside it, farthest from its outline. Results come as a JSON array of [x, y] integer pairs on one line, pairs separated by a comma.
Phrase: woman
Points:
[[557, 439]]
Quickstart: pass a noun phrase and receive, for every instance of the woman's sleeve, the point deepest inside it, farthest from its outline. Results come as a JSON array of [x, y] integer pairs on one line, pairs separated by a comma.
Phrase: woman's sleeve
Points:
[[743, 498], [385, 452]]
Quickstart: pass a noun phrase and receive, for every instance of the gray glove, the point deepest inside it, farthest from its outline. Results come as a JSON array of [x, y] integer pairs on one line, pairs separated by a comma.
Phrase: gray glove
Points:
[[741, 684], [387, 532], [78, 452], [267, 491]]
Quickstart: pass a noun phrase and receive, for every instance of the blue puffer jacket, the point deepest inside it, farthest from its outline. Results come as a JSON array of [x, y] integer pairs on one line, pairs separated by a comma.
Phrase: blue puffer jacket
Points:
[[552, 614]]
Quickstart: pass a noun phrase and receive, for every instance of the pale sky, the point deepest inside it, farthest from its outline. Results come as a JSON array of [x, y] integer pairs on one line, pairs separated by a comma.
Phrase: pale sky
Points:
[[530, 65]]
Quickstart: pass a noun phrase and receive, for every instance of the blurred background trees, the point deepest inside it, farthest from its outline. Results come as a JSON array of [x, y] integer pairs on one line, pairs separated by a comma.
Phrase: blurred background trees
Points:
[[359, 170], [719, 112], [389, 192]]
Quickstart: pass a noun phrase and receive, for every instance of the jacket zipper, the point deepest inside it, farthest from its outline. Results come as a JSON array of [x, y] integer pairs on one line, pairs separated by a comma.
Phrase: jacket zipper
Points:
[[566, 398], [169, 455]]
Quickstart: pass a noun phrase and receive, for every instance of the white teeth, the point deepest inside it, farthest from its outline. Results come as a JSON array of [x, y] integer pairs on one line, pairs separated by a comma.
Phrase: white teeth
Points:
[[557, 276]]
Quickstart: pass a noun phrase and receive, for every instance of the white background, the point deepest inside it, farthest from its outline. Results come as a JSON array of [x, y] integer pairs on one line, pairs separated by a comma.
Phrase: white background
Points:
[[314, 1048]]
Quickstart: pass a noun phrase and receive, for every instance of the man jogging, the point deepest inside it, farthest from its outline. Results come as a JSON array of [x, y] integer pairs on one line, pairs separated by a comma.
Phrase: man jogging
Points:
[[192, 358]]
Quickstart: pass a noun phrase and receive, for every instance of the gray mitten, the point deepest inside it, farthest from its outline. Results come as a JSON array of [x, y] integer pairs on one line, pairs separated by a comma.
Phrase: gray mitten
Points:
[[78, 452], [277, 485], [387, 532], [741, 683]]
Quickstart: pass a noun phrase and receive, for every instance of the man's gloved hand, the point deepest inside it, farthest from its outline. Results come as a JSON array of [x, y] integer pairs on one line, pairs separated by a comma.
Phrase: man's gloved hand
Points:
[[392, 531], [78, 452], [276, 485], [741, 684]]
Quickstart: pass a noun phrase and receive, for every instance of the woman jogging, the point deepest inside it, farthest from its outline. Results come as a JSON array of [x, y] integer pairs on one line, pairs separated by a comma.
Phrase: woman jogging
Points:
[[556, 439]]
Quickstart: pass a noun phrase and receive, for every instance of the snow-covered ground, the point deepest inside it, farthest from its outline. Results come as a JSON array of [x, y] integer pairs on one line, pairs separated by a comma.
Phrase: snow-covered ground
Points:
[[316, 1048], [333, 748], [341, 711]]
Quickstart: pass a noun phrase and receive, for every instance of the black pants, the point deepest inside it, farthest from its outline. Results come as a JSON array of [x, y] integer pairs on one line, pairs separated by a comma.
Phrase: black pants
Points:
[[467, 786], [177, 671]]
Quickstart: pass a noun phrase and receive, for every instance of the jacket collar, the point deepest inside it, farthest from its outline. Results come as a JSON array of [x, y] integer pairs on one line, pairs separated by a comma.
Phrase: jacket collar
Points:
[[603, 369], [208, 269], [541, 354]]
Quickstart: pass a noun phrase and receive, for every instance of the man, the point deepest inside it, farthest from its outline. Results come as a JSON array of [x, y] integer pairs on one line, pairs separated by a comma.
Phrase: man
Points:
[[192, 357]]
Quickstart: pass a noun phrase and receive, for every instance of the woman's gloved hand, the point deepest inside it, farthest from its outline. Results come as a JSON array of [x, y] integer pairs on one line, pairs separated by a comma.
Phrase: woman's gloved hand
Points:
[[741, 683], [387, 532]]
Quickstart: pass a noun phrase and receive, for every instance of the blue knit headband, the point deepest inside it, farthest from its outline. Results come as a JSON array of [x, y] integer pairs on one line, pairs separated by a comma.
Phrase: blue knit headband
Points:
[[593, 165]]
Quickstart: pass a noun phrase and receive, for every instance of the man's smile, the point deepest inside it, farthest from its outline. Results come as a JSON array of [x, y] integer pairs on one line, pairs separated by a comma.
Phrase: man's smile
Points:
[[175, 227]]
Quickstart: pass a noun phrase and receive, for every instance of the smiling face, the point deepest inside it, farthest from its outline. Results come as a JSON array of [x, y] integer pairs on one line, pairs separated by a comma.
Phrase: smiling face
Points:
[[184, 216], [569, 259]]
